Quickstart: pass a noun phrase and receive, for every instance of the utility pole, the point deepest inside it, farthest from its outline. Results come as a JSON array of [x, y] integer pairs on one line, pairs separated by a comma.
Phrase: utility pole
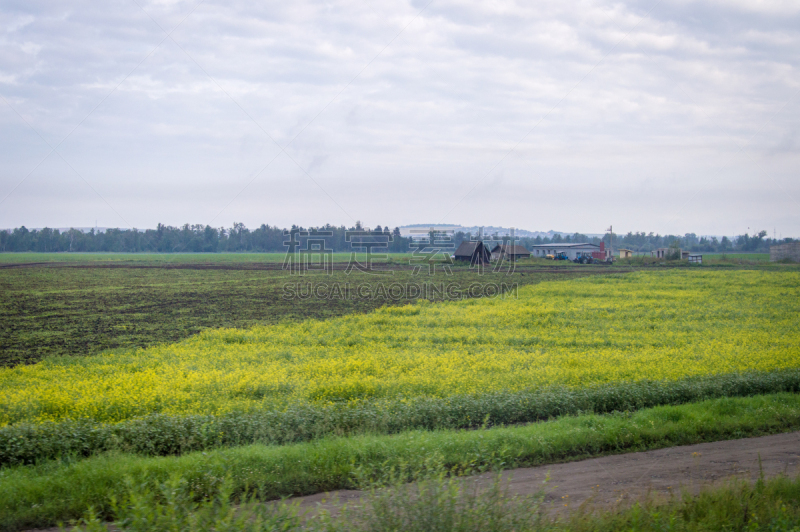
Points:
[[610, 241]]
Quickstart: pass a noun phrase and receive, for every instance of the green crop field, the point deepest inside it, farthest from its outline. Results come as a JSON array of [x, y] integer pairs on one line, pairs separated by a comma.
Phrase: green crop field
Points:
[[734, 257], [167, 258], [713, 260], [185, 367]]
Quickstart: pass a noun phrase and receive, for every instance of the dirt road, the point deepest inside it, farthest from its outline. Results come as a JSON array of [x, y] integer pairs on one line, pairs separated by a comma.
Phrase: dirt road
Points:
[[607, 480], [610, 479]]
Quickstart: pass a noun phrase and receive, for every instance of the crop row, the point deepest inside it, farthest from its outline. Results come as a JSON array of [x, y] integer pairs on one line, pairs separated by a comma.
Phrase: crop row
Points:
[[159, 434]]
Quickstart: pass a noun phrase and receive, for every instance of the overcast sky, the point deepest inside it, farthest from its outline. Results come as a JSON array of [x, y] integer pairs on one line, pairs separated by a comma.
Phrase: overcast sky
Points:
[[671, 116]]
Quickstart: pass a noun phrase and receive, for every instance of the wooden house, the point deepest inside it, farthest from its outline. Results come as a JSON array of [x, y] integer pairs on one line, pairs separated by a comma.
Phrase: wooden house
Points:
[[474, 252]]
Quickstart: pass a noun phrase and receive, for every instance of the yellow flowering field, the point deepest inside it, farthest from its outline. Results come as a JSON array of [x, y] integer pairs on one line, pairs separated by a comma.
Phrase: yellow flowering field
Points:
[[653, 325]]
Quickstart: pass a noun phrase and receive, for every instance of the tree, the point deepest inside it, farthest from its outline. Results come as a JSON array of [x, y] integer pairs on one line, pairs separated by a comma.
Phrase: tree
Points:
[[674, 252]]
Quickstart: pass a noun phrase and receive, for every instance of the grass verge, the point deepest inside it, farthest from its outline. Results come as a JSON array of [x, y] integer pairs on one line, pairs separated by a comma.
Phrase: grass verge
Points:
[[45, 493], [162, 435], [445, 505]]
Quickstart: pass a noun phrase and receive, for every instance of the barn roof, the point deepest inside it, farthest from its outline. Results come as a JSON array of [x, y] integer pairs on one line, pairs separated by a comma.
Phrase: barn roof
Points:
[[467, 249], [511, 250]]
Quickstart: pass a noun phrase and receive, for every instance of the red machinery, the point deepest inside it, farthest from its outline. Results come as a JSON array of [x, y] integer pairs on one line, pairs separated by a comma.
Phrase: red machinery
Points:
[[600, 255]]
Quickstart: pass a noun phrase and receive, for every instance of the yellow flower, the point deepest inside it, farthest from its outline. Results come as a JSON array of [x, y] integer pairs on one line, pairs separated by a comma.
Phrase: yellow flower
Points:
[[654, 325]]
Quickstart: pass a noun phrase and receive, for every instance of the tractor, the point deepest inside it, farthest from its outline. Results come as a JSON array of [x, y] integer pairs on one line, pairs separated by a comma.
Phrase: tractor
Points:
[[559, 256]]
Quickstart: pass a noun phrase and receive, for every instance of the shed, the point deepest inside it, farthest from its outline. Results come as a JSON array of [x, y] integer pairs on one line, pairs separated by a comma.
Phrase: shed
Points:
[[696, 258], [625, 253], [788, 251], [663, 253], [474, 252], [505, 251]]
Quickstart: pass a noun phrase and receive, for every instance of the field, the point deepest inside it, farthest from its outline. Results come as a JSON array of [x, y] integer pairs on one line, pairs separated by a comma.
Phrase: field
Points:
[[125, 366], [82, 304], [661, 326], [733, 257], [713, 260], [164, 259]]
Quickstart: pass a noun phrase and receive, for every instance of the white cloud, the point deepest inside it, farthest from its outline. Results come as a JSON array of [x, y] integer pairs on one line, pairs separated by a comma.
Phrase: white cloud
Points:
[[17, 23], [610, 102], [769, 7]]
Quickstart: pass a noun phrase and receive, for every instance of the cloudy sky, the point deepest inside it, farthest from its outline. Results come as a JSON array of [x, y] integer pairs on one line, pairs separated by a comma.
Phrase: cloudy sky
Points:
[[670, 116]]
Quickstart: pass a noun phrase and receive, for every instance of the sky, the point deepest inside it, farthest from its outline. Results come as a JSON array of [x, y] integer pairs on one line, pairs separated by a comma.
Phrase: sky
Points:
[[669, 116]]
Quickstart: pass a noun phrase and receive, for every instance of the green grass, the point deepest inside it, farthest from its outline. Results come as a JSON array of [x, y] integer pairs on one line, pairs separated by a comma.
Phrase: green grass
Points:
[[168, 258], [86, 307], [710, 260], [446, 505], [771, 505], [43, 494], [758, 257]]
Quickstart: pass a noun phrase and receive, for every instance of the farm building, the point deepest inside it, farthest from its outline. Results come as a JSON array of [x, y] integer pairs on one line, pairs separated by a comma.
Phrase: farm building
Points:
[[625, 253], [696, 258], [504, 251], [663, 253], [572, 251], [474, 252], [789, 251]]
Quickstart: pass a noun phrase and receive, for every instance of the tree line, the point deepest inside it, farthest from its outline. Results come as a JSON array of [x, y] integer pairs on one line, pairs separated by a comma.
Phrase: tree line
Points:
[[238, 238]]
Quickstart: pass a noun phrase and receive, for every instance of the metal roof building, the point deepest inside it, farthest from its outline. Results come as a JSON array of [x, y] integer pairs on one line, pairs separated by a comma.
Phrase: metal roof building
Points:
[[573, 251]]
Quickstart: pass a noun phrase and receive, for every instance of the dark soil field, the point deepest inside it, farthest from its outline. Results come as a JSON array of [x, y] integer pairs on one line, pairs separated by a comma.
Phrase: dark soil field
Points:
[[58, 304]]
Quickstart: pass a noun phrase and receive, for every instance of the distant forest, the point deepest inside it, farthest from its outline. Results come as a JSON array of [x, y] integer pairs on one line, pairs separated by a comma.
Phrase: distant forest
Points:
[[204, 238]]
